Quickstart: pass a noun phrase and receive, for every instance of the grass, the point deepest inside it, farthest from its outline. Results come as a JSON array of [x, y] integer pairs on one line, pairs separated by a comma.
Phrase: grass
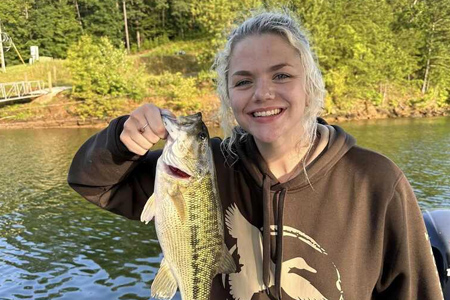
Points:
[[176, 57], [22, 112], [190, 47], [39, 71]]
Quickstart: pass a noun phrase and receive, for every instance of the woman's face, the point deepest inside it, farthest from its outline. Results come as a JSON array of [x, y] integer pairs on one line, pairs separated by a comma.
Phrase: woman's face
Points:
[[266, 88]]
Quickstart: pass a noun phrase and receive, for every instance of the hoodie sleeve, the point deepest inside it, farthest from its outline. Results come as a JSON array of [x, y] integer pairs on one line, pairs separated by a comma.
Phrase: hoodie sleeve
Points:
[[409, 270], [104, 172]]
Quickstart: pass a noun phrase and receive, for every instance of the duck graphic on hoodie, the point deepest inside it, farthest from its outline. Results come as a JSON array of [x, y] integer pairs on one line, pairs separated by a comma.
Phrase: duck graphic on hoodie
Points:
[[298, 276]]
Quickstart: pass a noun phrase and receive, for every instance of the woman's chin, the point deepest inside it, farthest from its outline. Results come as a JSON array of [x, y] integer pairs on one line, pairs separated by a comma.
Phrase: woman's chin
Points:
[[278, 137], [266, 137]]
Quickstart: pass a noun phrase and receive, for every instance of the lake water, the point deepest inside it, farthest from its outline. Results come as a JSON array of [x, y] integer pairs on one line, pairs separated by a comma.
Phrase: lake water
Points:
[[55, 245]]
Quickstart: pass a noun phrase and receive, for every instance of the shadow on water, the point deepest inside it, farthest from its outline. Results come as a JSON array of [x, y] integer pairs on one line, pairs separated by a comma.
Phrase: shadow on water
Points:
[[54, 244]]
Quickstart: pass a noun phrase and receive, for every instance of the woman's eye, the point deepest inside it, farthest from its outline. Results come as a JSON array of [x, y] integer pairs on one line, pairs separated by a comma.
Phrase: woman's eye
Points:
[[242, 83], [281, 76]]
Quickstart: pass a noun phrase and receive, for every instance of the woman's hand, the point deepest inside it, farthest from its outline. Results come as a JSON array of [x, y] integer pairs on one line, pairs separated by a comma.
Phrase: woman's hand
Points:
[[144, 128]]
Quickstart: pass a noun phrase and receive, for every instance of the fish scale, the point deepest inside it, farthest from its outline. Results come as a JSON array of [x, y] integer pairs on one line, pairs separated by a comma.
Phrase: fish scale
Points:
[[205, 237]]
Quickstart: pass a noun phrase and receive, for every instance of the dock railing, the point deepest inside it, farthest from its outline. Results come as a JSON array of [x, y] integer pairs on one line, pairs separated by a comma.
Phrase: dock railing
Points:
[[21, 90]]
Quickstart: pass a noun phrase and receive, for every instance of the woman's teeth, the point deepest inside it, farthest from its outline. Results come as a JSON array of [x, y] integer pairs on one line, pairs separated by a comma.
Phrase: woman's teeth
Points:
[[267, 113]]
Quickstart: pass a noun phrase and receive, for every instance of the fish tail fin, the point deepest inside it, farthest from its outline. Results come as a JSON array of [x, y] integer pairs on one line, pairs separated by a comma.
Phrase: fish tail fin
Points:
[[227, 266], [164, 286], [149, 210]]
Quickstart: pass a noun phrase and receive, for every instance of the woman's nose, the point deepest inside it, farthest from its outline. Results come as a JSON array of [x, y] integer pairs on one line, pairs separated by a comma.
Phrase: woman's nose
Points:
[[263, 91]]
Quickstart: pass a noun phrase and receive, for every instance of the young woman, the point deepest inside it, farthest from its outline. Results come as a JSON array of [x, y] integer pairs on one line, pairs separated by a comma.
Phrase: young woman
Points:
[[350, 224]]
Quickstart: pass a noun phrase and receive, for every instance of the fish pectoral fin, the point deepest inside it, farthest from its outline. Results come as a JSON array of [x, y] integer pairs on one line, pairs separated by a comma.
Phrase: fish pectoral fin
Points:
[[149, 210], [179, 203], [164, 286], [227, 266]]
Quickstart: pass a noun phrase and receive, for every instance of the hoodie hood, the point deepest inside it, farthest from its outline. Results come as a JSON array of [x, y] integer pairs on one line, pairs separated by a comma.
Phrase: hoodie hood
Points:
[[339, 143]]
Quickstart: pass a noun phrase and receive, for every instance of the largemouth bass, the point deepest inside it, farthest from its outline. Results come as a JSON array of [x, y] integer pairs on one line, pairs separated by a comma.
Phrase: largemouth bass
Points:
[[188, 213]]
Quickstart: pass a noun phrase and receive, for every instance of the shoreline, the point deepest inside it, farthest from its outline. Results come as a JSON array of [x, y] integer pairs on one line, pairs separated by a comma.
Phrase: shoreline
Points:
[[212, 121], [60, 110], [62, 123]]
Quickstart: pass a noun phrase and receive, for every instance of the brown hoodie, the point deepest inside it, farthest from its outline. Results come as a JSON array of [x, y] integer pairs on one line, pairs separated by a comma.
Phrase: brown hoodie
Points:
[[351, 228]]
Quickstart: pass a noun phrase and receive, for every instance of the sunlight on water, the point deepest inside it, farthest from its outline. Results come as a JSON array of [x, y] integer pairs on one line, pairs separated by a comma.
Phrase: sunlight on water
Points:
[[54, 244]]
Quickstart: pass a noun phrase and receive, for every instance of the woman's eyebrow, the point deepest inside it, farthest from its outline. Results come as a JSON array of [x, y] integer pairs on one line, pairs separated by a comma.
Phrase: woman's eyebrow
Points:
[[271, 69], [241, 73], [279, 66]]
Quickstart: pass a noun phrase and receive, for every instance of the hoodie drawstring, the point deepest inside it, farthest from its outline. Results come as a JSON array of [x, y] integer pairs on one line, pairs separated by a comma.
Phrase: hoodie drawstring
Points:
[[267, 251], [267, 212], [279, 262]]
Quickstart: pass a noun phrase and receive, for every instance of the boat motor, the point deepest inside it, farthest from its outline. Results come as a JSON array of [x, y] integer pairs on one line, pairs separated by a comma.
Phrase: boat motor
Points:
[[438, 227]]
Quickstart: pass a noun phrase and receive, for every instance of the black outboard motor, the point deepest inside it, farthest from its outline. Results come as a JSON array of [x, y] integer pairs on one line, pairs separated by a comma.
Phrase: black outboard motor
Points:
[[438, 227]]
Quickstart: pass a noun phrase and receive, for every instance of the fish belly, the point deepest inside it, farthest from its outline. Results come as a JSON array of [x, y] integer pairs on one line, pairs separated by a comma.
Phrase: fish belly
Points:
[[192, 242]]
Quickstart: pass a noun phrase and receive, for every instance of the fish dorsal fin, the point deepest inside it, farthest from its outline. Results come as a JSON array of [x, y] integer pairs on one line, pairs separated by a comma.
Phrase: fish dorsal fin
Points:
[[149, 210], [227, 266], [164, 286]]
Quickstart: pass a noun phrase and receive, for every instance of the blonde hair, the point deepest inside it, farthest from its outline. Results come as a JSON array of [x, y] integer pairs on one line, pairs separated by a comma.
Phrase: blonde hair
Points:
[[285, 25]]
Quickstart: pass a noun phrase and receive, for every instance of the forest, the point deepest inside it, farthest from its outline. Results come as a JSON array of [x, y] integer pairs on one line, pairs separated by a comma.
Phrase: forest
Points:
[[374, 54]]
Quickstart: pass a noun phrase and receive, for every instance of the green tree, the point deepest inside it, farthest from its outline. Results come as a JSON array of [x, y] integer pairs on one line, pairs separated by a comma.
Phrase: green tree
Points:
[[153, 24], [136, 14], [103, 18], [14, 16], [356, 49], [433, 20], [214, 18], [53, 27], [180, 13]]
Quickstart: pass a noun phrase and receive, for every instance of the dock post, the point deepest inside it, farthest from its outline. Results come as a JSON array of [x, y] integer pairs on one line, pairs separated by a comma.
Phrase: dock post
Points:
[[50, 81], [54, 74]]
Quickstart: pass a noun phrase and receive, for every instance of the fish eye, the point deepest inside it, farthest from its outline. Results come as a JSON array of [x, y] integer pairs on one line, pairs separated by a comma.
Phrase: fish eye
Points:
[[202, 135]]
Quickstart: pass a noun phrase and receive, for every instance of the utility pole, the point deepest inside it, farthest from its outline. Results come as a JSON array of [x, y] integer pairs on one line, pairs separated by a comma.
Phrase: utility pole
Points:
[[2, 54], [126, 25]]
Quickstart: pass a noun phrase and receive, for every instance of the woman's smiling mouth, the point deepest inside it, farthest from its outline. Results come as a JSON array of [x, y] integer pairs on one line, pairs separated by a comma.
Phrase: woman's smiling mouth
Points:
[[267, 113]]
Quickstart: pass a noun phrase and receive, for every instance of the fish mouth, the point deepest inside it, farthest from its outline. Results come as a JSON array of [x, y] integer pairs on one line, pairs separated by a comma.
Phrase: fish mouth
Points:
[[175, 172]]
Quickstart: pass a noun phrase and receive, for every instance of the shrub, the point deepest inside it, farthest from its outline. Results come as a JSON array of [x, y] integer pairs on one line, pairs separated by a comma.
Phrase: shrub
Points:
[[206, 78], [100, 69], [155, 42], [179, 93], [100, 107]]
